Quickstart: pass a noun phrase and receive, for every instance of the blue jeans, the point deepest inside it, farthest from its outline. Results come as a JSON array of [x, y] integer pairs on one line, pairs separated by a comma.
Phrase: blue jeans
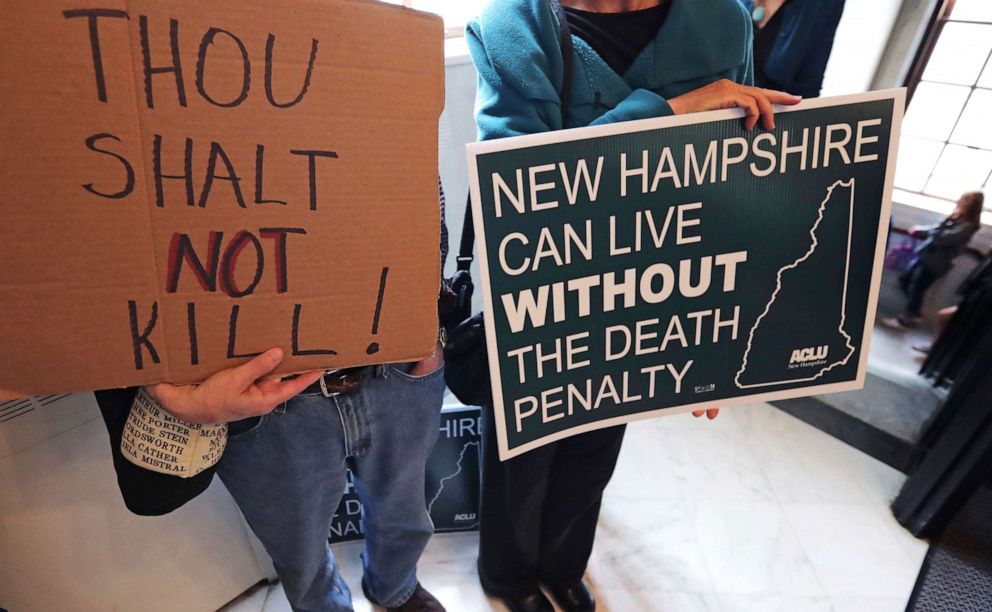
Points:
[[287, 472]]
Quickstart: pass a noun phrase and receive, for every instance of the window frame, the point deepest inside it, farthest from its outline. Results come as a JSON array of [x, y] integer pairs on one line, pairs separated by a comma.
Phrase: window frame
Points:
[[941, 15]]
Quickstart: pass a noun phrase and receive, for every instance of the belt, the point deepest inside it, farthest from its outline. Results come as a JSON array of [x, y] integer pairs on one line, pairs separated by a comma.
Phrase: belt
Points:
[[336, 382]]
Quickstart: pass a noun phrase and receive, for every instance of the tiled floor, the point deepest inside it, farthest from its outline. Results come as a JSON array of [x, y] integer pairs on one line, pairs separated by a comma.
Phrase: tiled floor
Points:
[[755, 511]]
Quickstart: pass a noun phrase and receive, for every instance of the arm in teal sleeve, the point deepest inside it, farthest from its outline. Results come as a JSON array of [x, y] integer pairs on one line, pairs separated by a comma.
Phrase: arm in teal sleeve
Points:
[[501, 110], [514, 46], [640, 104], [748, 78], [644, 104], [746, 70]]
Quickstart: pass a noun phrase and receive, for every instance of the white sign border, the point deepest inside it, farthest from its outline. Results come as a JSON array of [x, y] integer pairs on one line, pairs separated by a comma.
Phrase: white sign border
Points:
[[473, 150]]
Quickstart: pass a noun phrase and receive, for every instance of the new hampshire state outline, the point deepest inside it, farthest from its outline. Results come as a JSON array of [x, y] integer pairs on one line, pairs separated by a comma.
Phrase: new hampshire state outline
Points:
[[800, 335]]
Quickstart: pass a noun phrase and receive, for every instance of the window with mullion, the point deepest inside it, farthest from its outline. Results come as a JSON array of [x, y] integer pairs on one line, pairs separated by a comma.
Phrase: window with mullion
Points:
[[946, 145]]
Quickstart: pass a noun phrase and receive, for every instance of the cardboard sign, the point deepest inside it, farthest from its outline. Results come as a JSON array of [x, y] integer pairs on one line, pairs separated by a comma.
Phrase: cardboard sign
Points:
[[187, 184], [659, 266]]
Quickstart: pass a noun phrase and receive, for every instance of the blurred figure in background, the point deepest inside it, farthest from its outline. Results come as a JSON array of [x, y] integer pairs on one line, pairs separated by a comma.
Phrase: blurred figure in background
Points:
[[942, 243], [940, 323], [979, 280], [792, 42]]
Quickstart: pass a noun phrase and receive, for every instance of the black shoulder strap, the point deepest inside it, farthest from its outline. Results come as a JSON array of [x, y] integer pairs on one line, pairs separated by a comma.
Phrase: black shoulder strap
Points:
[[465, 256]]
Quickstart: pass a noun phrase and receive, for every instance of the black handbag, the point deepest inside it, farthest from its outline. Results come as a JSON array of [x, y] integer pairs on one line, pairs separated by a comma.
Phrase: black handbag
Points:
[[466, 369], [145, 492]]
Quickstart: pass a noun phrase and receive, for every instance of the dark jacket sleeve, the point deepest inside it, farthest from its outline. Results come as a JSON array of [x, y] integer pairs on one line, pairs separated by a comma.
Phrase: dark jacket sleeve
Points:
[[798, 61], [956, 234], [808, 81]]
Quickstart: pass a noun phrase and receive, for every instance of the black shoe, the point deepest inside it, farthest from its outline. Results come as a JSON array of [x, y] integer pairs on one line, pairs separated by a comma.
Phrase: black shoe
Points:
[[574, 597], [527, 601], [420, 601], [531, 602]]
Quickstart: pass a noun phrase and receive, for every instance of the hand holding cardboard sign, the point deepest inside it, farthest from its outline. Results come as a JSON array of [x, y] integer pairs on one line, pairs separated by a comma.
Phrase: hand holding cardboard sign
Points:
[[233, 394], [755, 101]]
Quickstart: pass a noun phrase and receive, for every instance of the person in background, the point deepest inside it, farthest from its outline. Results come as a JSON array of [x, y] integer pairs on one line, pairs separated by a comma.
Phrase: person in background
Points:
[[630, 59], [979, 279], [792, 42], [940, 323], [942, 243]]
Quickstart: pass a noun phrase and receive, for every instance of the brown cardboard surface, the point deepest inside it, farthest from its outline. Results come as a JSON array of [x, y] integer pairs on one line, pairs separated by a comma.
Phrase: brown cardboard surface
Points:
[[82, 272]]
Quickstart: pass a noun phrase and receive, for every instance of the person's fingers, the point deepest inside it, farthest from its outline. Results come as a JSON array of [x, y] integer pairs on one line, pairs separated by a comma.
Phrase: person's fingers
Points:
[[711, 413], [273, 387], [767, 112], [258, 367], [288, 389], [750, 107], [781, 97], [280, 377], [275, 392]]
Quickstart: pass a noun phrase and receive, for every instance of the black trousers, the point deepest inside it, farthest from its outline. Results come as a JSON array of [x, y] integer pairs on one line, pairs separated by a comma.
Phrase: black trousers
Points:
[[539, 510]]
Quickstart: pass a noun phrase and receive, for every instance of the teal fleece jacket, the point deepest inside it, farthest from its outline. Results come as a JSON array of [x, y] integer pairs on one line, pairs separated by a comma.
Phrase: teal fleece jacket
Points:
[[516, 50]]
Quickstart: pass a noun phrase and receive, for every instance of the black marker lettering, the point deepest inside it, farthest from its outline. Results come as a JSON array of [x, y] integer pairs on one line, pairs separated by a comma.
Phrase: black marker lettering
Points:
[[312, 155], [201, 61], [92, 15], [128, 169], [176, 68], [296, 350], [232, 335], [139, 339], [279, 234], [187, 174], [259, 173], [373, 347], [217, 152], [230, 261], [181, 249], [269, 43], [194, 348]]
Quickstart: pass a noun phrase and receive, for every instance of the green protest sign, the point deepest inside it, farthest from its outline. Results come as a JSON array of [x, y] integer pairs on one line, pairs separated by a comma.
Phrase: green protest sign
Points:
[[657, 266]]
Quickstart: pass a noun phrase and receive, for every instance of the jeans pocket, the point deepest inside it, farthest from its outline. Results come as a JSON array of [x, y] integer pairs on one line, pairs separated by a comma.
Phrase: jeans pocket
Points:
[[400, 371], [245, 427]]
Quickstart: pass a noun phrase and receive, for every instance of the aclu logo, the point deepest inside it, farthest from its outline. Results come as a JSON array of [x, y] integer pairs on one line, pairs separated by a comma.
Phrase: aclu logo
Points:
[[465, 517], [810, 356]]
